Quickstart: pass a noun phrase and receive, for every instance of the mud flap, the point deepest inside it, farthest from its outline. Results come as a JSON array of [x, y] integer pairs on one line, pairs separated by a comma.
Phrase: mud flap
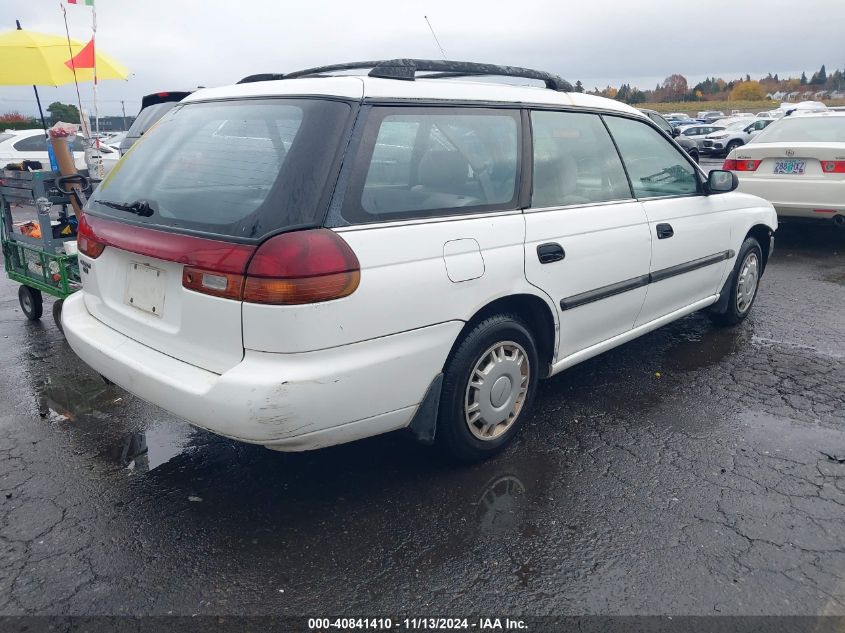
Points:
[[424, 423]]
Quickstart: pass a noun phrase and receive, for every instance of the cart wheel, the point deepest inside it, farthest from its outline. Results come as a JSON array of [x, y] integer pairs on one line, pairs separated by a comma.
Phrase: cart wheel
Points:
[[30, 300], [57, 314]]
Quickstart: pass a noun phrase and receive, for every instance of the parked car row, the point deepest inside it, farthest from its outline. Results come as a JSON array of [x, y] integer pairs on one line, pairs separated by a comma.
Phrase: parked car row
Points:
[[19, 145]]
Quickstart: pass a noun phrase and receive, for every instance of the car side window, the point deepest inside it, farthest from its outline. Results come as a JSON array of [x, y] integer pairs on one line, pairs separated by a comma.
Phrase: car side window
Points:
[[422, 162], [661, 123], [575, 161], [37, 143], [655, 166]]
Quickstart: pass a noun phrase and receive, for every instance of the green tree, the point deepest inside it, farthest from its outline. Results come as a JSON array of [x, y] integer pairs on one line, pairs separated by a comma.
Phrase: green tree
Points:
[[579, 87], [803, 79], [63, 112]]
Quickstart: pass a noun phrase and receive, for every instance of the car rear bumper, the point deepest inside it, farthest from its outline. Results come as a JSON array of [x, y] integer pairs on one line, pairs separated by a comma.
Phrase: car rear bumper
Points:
[[284, 401], [811, 198]]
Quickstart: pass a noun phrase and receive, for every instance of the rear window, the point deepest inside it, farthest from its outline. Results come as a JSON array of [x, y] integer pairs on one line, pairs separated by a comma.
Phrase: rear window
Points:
[[822, 129], [239, 169]]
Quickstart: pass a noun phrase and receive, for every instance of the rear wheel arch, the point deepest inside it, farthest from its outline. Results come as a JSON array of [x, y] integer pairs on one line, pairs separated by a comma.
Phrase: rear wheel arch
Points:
[[533, 311]]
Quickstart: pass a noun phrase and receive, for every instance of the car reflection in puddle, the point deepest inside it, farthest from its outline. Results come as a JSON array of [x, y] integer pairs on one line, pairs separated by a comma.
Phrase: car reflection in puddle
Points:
[[99, 418]]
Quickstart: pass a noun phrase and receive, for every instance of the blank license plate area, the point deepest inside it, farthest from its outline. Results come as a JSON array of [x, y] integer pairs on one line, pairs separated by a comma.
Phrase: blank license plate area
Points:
[[145, 286], [795, 167]]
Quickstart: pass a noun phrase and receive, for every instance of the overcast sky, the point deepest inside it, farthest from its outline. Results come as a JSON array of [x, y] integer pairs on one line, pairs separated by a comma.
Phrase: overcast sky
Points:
[[180, 44]]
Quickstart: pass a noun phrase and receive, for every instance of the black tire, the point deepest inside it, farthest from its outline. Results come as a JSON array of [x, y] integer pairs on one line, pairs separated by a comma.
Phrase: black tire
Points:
[[736, 308], [453, 435], [694, 155], [31, 303], [57, 314], [732, 146]]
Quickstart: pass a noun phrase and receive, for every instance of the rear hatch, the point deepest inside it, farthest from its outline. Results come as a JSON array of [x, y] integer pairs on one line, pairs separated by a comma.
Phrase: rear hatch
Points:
[[202, 190]]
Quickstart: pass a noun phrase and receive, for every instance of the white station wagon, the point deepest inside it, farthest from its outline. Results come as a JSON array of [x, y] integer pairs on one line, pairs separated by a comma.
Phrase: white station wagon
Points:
[[303, 260]]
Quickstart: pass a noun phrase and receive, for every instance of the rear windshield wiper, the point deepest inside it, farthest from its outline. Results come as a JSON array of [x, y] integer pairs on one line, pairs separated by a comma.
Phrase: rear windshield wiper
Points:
[[139, 207]]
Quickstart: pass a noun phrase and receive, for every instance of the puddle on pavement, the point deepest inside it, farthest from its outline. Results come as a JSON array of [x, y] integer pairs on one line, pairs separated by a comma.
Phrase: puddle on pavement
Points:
[[93, 411], [705, 347]]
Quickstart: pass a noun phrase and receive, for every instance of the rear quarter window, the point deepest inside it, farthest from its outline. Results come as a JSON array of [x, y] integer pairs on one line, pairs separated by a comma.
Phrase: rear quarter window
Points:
[[425, 162]]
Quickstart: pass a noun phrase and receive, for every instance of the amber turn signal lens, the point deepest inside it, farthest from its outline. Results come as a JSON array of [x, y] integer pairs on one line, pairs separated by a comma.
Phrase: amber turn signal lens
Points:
[[301, 290]]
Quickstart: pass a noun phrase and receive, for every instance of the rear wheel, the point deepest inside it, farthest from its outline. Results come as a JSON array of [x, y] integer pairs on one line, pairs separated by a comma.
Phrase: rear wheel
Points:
[[745, 279], [694, 154], [31, 304], [57, 314], [489, 383]]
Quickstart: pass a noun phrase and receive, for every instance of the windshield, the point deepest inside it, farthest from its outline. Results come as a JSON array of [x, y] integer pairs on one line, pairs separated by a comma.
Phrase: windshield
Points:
[[819, 129], [737, 125], [234, 168]]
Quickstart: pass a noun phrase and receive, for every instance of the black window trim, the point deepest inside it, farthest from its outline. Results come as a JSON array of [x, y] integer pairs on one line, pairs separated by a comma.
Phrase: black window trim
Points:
[[346, 208]]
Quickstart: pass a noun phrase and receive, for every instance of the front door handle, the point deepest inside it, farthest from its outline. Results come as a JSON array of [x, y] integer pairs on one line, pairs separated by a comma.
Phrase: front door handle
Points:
[[664, 231], [551, 252]]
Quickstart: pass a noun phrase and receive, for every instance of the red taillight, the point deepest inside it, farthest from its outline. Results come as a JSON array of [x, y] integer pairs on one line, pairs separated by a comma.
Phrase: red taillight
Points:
[[833, 166], [200, 252], [291, 268], [302, 267], [86, 241], [741, 165]]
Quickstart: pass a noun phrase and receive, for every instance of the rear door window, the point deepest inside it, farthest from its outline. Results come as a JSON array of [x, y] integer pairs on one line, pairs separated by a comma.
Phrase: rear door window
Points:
[[232, 168], [423, 162], [655, 166], [574, 161]]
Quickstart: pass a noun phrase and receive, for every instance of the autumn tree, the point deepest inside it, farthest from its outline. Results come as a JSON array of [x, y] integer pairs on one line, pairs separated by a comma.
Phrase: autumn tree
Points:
[[748, 91], [674, 87]]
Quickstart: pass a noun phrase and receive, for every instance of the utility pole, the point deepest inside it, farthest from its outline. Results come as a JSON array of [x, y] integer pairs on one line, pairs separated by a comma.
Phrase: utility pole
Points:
[[123, 108]]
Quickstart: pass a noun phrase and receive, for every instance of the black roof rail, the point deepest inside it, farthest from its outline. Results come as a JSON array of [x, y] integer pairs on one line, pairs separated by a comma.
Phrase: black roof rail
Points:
[[406, 69]]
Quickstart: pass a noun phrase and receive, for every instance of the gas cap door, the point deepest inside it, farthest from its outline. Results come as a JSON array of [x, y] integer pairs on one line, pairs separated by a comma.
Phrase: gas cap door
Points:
[[463, 259]]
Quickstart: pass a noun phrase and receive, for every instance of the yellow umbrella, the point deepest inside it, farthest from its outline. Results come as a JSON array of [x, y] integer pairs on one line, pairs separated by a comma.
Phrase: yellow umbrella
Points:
[[29, 58]]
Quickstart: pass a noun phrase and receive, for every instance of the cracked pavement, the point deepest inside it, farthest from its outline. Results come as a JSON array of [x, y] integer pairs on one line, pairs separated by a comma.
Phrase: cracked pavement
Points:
[[693, 471]]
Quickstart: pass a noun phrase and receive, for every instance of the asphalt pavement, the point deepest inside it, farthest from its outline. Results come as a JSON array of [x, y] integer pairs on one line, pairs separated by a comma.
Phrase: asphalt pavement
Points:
[[695, 470]]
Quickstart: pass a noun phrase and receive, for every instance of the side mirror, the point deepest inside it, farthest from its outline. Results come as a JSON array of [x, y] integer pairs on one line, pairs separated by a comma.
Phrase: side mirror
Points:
[[721, 181], [675, 132]]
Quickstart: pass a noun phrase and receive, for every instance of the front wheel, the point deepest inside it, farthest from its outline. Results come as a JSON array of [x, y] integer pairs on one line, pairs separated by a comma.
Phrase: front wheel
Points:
[[489, 383], [732, 146], [745, 280], [31, 304]]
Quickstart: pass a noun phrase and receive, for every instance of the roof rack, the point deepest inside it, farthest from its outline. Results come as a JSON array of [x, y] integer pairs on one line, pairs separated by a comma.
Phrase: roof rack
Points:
[[406, 69]]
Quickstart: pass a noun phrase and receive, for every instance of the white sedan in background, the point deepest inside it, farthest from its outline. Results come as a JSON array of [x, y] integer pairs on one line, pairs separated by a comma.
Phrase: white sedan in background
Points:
[[797, 164], [20, 145]]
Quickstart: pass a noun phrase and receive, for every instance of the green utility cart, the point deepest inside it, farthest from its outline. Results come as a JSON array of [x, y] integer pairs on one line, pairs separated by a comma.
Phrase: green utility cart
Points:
[[38, 250]]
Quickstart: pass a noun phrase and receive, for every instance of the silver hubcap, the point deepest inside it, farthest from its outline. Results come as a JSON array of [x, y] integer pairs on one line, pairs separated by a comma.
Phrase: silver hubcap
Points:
[[496, 390], [746, 287]]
